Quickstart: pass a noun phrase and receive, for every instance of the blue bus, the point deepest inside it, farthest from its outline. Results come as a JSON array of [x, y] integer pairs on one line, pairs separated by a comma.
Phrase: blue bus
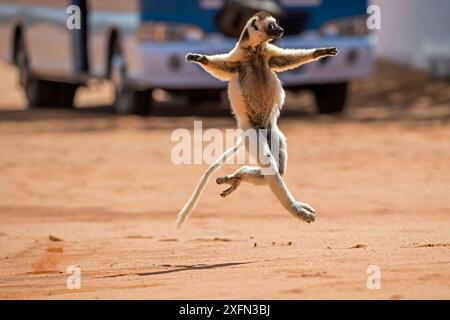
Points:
[[140, 46]]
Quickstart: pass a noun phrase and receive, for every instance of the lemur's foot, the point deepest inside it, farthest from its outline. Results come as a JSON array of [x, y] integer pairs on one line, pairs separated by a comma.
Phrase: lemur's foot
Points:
[[195, 57], [232, 181], [322, 52], [305, 211], [222, 180]]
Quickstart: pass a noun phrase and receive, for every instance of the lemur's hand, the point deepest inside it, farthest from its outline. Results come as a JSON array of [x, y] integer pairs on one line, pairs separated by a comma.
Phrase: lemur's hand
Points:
[[194, 57], [322, 52]]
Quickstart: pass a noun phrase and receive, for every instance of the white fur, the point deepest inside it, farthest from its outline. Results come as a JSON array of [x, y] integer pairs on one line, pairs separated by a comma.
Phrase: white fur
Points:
[[254, 42]]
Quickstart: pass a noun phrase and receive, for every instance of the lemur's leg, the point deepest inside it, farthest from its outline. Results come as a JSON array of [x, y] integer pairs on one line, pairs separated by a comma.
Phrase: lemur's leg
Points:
[[192, 202], [286, 59], [253, 174], [269, 171], [218, 65], [250, 174], [283, 152], [275, 181]]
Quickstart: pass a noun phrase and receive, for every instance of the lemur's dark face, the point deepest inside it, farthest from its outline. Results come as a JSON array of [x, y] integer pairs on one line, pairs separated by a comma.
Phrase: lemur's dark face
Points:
[[273, 30], [260, 28]]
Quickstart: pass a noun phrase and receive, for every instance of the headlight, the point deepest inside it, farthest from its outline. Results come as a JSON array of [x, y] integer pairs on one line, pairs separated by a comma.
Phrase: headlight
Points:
[[166, 32], [351, 26]]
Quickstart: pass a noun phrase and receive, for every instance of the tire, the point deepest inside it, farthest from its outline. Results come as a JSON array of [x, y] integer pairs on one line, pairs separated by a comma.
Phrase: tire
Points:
[[39, 92], [331, 98], [44, 93], [128, 100]]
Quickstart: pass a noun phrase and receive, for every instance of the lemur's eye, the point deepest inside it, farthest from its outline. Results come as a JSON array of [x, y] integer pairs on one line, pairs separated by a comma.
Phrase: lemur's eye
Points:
[[254, 24]]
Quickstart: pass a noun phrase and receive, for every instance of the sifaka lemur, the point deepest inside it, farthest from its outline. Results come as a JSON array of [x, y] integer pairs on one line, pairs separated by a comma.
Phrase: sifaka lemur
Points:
[[256, 96]]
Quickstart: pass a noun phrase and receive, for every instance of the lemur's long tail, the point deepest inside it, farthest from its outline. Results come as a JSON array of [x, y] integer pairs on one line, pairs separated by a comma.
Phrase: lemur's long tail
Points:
[[193, 200]]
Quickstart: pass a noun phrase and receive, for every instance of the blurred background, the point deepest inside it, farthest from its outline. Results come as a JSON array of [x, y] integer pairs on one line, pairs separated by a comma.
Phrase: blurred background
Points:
[[128, 57]]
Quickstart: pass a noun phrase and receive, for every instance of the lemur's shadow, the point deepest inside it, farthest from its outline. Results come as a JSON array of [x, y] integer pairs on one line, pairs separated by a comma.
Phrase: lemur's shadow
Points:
[[180, 268]]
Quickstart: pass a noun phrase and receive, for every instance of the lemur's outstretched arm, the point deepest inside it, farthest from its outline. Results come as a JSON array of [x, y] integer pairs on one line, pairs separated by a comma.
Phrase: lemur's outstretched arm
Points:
[[286, 59], [218, 65]]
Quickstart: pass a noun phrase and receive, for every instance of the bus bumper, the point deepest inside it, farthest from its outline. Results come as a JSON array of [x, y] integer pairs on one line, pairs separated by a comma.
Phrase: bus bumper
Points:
[[163, 65]]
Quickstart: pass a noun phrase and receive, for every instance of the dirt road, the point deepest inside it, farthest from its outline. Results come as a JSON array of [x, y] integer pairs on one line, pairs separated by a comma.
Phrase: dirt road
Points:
[[105, 187]]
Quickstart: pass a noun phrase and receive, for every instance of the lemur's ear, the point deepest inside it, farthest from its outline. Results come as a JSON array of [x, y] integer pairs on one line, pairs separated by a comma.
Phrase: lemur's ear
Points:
[[245, 35], [253, 24]]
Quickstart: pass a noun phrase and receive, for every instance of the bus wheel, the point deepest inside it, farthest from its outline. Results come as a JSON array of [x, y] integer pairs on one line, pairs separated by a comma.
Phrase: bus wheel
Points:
[[330, 98], [39, 92], [50, 94], [128, 100]]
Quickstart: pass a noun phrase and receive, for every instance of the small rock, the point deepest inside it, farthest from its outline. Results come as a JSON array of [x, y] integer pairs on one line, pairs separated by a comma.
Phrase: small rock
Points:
[[358, 246], [53, 238]]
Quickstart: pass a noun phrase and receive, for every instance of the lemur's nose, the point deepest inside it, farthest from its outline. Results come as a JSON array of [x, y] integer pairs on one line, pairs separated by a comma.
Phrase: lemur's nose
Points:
[[279, 30], [275, 30]]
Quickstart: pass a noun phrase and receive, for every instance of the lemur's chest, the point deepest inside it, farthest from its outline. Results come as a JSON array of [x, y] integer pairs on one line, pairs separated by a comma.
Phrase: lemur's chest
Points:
[[260, 90]]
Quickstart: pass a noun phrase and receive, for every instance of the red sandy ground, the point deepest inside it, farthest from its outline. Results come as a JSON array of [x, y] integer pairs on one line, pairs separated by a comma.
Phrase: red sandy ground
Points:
[[379, 179]]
